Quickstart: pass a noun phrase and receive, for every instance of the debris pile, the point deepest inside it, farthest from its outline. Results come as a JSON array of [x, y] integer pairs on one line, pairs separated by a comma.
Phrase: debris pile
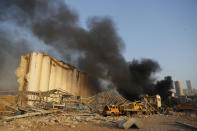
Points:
[[98, 101], [45, 98], [63, 110]]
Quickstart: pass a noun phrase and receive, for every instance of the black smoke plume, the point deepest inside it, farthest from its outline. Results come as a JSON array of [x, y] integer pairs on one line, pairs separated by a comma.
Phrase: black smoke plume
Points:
[[142, 78], [164, 88], [51, 27]]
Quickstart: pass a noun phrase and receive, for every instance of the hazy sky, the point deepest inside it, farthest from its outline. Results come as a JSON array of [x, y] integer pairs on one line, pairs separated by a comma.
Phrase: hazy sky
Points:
[[164, 30]]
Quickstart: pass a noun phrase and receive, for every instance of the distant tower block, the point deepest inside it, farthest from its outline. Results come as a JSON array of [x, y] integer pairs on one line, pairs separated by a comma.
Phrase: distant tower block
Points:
[[178, 88], [189, 85]]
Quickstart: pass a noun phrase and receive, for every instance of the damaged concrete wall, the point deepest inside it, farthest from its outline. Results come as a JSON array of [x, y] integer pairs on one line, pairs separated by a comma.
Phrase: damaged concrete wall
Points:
[[39, 72]]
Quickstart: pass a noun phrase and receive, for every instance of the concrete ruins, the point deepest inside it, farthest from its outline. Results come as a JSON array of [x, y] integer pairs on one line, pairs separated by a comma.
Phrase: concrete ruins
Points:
[[48, 97], [39, 72]]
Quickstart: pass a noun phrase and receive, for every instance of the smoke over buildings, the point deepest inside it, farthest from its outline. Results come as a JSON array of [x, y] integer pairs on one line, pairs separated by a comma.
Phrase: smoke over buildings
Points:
[[164, 87], [51, 27]]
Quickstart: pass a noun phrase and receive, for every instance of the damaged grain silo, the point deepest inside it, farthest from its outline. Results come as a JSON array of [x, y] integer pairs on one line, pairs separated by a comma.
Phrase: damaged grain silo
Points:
[[39, 72]]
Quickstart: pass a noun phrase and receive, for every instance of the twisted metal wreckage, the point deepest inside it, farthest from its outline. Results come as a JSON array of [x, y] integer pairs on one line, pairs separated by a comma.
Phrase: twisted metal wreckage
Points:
[[59, 98]]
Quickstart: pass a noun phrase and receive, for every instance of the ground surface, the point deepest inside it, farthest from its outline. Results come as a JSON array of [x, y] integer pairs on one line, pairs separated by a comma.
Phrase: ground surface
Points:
[[66, 121], [6, 99], [83, 121]]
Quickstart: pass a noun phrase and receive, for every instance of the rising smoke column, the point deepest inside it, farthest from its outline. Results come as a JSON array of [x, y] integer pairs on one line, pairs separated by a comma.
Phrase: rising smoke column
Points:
[[142, 77], [52, 26], [164, 88], [16, 39]]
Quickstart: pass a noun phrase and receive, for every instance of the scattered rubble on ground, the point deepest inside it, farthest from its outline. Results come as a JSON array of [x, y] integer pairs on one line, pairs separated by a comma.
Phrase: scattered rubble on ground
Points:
[[84, 121], [86, 114]]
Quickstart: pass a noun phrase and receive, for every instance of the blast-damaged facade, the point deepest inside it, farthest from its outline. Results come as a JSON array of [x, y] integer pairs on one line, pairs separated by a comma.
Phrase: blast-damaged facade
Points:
[[39, 72]]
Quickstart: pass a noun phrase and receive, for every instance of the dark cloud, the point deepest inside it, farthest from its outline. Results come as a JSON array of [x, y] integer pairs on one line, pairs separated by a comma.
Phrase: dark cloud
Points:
[[96, 50]]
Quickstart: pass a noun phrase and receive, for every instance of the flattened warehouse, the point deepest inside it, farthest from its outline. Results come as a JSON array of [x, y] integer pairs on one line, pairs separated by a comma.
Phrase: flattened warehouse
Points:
[[39, 72]]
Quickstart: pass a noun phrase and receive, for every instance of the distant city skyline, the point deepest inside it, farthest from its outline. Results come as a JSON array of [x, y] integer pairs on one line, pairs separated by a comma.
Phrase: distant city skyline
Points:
[[165, 31]]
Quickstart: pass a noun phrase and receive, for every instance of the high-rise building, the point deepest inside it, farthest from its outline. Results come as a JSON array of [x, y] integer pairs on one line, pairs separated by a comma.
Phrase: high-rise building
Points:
[[189, 91], [189, 85], [178, 88]]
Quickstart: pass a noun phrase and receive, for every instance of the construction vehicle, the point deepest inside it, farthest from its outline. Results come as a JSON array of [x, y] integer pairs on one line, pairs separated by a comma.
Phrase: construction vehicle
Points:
[[149, 105], [111, 110], [132, 108], [114, 110]]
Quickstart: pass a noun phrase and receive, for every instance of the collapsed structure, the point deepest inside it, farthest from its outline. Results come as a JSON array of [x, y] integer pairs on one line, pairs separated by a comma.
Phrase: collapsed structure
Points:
[[39, 72], [46, 82]]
